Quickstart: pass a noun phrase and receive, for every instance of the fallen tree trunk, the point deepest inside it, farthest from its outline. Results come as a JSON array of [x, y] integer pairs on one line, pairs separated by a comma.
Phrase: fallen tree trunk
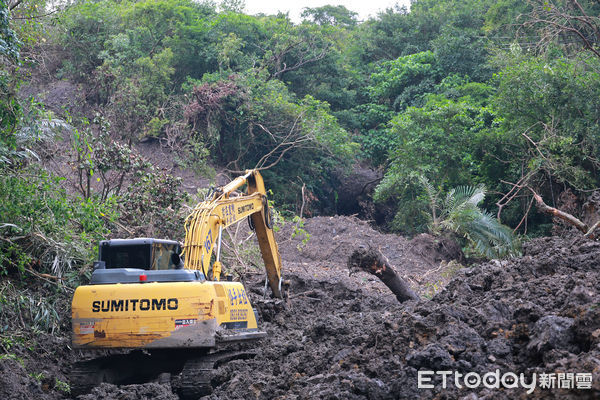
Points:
[[570, 219], [372, 261], [555, 212]]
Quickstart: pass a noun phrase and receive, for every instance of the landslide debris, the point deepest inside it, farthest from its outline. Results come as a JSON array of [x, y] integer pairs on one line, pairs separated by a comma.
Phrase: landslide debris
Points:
[[338, 339], [347, 337], [374, 262]]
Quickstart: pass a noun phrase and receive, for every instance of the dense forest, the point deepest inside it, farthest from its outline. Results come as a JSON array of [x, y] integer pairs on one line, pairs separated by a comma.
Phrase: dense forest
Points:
[[108, 107], [474, 121]]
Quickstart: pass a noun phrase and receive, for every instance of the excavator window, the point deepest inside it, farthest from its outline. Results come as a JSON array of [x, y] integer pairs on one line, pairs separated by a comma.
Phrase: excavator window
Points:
[[162, 256], [132, 256], [141, 253]]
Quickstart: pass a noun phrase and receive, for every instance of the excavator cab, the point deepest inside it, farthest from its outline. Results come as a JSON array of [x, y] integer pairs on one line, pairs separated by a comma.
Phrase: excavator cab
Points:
[[141, 253], [141, 260]]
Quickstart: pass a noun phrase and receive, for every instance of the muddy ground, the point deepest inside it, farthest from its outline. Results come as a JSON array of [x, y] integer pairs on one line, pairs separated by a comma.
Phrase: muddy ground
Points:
[[346, 337]]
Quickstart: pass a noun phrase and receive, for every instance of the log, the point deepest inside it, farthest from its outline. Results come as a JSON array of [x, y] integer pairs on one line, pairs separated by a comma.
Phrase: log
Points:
[[372, 261], [588, 232], [555, 212]]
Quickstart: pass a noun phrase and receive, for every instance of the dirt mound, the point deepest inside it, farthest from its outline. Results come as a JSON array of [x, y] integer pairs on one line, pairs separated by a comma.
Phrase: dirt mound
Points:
[[329, 241], [35, 369], [15, 383], [341, 340], [149, 391], [342, 336]]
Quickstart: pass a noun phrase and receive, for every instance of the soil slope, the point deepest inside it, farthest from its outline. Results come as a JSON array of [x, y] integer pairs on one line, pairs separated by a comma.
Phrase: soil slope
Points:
[[345, 337], [338, 339]]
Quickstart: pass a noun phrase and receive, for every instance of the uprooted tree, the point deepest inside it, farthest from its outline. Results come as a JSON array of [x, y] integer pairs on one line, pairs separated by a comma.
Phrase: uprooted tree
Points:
[[588, 231], [372, 261]]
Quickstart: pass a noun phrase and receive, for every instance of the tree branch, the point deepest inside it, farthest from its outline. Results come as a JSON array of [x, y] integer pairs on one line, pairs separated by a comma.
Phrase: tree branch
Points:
[[555, 212], [14, 5], [374, 262], [590, 232]]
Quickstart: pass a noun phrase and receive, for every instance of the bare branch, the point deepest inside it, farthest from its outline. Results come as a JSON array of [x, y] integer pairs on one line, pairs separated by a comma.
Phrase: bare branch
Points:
[[570, 219], [590, 232], [553, 21], [14, 4]]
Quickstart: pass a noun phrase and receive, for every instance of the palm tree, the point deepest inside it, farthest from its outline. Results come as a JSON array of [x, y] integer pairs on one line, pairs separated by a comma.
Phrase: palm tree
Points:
[[460, 213]]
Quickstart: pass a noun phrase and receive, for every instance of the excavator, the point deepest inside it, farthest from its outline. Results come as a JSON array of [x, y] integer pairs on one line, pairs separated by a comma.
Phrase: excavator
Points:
[[154, 308]]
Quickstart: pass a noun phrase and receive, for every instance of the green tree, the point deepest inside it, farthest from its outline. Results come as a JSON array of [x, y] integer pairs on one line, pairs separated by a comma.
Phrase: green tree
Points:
[[138, 89], [549, 129], [251, 121], [404, 81], [395, 85], [42, 225], [9, 44], [330, 15], [445, 141], [83, 29], [10, 109], [461, 214]]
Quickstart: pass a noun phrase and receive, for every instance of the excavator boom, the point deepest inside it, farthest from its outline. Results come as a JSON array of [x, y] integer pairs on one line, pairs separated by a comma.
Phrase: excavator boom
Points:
[[204, 227]]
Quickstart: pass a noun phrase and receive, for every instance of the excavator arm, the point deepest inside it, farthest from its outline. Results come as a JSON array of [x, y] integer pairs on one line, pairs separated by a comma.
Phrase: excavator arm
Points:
[[204, 227]]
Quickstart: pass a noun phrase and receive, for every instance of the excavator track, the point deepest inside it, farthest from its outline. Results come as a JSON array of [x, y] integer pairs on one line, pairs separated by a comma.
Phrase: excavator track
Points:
[[195, 378], [191, 371], [122, 369], [84, 376]]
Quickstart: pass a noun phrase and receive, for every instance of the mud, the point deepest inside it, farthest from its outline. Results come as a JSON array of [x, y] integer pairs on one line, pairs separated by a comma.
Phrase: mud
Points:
[[149, 391], [331, 240], [342, 336], [341, 340]]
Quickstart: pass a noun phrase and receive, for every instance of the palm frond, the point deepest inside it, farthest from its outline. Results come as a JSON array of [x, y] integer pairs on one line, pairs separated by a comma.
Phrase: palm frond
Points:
[[486, 234], [434, 201], [464, 196], [432, 193], [459, 212], [489, 237]]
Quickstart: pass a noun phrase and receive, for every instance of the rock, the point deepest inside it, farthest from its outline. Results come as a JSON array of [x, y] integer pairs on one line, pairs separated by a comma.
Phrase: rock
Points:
[[552, 332], [433, 357], [500, 347]]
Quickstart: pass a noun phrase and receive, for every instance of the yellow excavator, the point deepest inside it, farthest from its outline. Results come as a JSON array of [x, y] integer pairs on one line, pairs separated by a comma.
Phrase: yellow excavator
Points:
[[168, 303]]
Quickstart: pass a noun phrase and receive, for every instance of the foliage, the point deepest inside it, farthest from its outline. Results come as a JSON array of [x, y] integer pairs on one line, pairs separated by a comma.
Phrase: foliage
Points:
[[394, 86], [9, 43], [571, 22], [136, 91], [253, 122], [459, 212], [10, 115], [331, 15], [452, 90], [394, 33], [102, 162], [403, 82], [43, 228], [62, 386], [300, 232], [84, 29], [10, 108], [152, 206], [445, 141], [550, 109]]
